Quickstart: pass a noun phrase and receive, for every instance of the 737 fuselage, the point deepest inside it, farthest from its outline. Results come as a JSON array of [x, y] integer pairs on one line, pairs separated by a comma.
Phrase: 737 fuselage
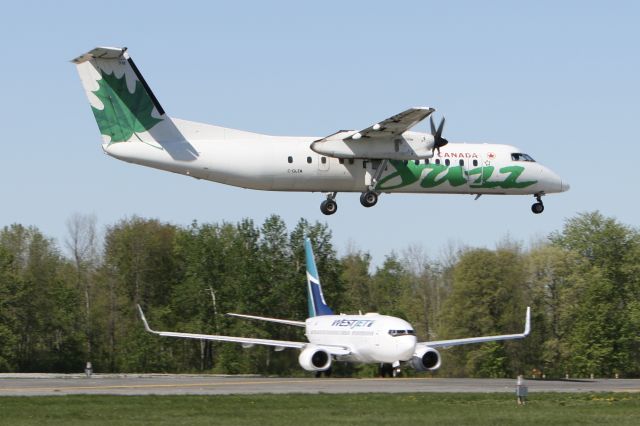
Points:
[[386, 157]]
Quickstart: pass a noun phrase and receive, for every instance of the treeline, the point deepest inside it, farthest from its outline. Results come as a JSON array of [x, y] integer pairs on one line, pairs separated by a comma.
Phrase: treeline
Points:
[[59, 310]]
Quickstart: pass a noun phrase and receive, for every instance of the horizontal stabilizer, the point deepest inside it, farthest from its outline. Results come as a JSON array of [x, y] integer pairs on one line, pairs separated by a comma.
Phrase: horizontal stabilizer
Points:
[[280, 321]]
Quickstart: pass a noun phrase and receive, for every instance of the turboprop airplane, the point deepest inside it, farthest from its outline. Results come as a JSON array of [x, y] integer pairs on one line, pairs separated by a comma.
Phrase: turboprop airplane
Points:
[[368, 338], [386, 157]]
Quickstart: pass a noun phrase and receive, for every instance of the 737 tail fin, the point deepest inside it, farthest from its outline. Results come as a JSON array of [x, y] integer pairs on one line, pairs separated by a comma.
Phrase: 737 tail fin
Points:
[[317, 305]]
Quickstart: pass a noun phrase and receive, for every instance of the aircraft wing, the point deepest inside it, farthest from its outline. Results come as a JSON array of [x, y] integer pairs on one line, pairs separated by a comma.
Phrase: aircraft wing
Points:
[[456, 342], [280, 321], [246, 341], [394, 126]]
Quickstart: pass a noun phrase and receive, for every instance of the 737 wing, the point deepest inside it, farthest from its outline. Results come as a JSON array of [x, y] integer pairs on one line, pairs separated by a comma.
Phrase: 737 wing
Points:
[[245, 341], [457, 342], [394, 126]]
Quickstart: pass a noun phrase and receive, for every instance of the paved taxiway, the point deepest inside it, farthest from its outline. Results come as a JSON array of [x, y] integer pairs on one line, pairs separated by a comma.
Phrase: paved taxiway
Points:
[[154, 384]]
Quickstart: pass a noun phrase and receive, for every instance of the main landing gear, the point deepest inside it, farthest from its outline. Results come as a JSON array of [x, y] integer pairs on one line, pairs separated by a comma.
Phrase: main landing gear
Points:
[[368, 199], [389, 370], [538, 207], [329, 206]]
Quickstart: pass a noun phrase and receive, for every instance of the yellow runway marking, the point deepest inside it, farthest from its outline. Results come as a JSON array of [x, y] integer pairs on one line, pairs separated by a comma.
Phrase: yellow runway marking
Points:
[[191, 385]]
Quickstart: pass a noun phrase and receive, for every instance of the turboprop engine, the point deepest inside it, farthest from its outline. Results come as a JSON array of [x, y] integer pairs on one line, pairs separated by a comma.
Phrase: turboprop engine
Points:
[[314, 359], [425, 359]]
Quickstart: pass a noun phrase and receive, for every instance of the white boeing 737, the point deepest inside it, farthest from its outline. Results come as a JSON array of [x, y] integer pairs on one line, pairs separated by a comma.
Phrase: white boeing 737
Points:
[[386, 157], [369, 338]]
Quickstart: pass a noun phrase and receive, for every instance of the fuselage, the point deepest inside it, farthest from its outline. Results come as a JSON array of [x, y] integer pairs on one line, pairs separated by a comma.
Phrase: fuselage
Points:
[[274, 163], [370, 338]]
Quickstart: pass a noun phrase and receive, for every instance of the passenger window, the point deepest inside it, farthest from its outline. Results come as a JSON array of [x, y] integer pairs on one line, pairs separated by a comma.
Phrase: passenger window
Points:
[[461, 162], [426, 161], [341, 160], [309, 160], [351, 160], [290, 159], [323, 160], [475, 163], [416, 162], [437, 161], [405, 162], [364, 164], [447, 162]]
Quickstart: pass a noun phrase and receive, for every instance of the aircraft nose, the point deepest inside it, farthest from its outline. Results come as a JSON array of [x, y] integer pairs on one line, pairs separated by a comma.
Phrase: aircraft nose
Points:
[[564, 186], [407, 347]]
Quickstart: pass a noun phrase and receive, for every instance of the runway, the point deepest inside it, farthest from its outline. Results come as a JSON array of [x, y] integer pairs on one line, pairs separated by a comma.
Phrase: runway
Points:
[[161, 384]]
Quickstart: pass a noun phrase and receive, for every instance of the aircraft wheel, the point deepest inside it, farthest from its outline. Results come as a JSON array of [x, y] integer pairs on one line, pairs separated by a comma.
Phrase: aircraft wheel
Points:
[[385, 370], [537, 208], [368, 199], [328, 207]]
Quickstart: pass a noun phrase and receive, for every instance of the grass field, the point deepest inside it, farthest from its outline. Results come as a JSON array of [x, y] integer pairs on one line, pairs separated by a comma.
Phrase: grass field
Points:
[[324, 409]]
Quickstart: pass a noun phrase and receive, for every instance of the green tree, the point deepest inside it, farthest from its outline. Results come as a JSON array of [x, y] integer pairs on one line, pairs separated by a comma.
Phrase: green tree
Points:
[[43, 314], [357, 282], [601, 316], [487, 298]]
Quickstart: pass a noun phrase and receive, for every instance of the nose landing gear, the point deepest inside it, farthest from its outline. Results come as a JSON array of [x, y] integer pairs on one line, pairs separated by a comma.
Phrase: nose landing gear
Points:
[[329, 206], [538, 207]]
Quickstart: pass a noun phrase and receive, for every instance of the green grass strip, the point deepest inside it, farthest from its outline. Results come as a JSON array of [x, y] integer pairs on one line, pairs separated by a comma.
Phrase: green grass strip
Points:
[[324, 409]]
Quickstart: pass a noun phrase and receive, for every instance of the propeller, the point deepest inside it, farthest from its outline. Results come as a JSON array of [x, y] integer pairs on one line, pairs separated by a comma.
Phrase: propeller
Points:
[[438, 140]]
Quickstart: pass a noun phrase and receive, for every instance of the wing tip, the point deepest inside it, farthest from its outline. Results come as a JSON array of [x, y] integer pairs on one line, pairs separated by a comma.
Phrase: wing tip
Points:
[[527, 322], [144, 320], [426, 108]]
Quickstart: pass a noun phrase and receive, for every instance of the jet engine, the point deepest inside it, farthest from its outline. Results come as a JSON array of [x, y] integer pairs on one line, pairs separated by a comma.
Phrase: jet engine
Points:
[[425, 359], [314, 359]]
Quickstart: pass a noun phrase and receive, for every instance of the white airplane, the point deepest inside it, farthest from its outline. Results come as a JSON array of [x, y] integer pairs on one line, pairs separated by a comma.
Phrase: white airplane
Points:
[[369, 338], [386, 157]]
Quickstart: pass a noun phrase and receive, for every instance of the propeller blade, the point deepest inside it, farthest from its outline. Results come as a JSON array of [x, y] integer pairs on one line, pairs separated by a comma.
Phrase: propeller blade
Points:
[[438, 140], [440, 128]]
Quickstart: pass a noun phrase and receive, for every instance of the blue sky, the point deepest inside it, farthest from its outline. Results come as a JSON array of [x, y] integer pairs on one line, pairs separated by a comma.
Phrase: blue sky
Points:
[[560, 80]]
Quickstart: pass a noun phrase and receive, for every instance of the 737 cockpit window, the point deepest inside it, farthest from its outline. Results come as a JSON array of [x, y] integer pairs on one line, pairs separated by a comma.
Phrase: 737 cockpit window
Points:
[[519, 156], [396, 333]]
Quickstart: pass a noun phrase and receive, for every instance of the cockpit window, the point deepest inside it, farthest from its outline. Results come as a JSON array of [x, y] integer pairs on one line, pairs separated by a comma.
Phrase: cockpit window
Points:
[[396, 333], [519, 156]]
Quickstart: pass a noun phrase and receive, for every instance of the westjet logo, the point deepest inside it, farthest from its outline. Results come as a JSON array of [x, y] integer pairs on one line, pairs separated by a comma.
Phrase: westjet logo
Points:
[[352, 323]]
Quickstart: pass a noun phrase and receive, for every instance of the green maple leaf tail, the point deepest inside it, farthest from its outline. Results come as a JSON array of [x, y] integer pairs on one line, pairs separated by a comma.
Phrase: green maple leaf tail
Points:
[[124, 113]]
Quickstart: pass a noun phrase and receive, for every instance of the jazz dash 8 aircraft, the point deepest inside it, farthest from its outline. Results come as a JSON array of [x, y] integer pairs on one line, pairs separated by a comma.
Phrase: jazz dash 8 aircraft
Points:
[[386, 157], [368, 338]]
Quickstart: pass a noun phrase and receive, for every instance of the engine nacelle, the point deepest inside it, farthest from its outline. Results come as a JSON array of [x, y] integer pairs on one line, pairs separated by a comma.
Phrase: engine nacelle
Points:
[[425, 359], [314, 359]]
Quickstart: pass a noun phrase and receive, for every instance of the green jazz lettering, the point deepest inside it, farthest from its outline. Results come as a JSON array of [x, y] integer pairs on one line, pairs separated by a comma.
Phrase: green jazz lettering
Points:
[[433, 175]]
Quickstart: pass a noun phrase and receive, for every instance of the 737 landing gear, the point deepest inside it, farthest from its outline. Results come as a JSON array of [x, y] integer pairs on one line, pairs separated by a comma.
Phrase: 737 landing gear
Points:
[[538, 207], [329, 206], [368, 199]]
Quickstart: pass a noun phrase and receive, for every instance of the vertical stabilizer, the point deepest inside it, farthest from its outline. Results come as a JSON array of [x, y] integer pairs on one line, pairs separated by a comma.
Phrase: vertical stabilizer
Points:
[[123, 105], [317, 305]]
